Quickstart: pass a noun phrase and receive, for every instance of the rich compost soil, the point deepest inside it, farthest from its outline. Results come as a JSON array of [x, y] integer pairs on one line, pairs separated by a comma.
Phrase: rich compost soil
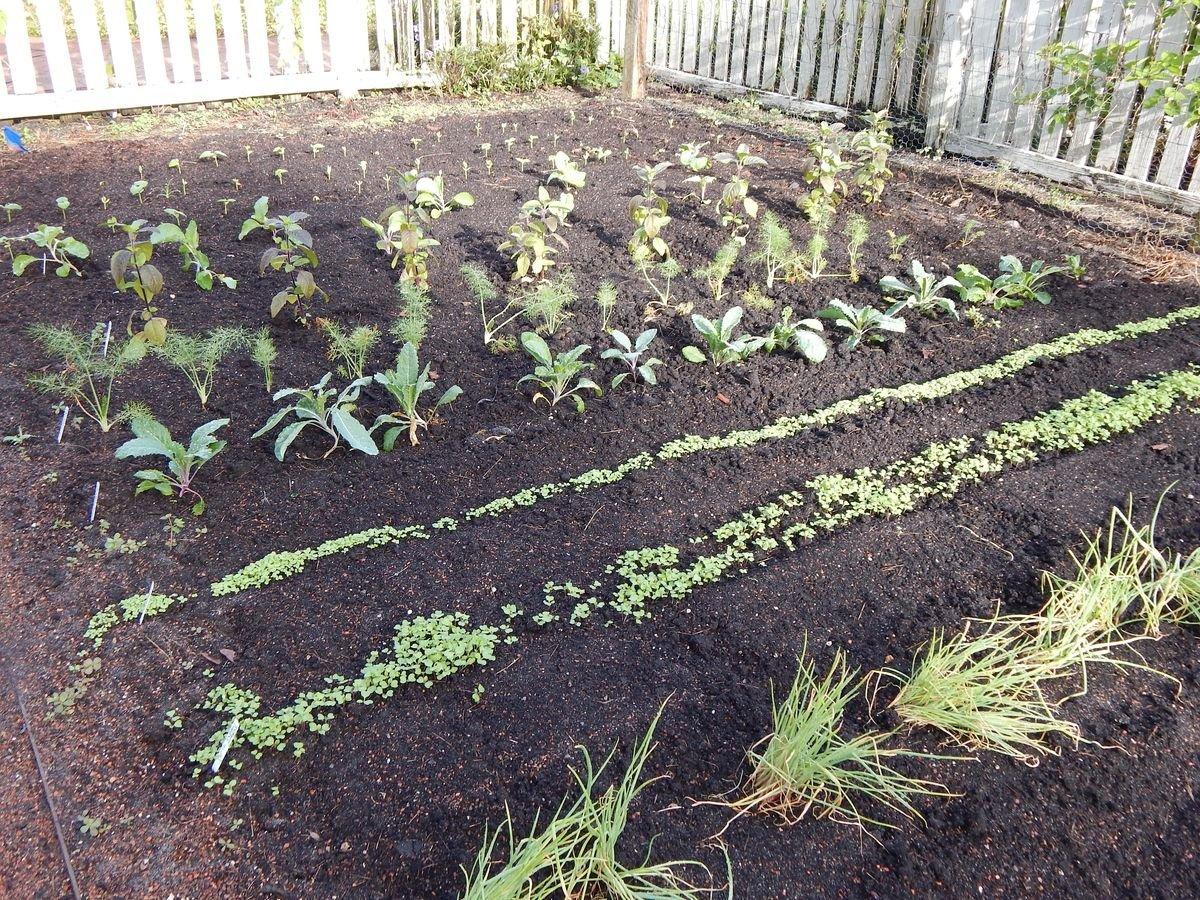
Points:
[[396, 796]]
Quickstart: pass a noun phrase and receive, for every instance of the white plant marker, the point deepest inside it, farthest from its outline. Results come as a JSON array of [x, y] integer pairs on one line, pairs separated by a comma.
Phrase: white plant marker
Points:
[[95, 501], [225, 745], [62, 426], [107, 338], [146, 603]]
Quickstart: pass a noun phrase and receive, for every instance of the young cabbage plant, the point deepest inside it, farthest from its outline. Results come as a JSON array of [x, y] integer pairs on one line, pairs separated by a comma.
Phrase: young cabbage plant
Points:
[[974, 287], [58, 248], [925, 293], [563, 171], [630, 353], [1015, 284], [802, 336], [406, 382], [558, 375], [864, 324], [326, 410], [151, 438], [721, 337], [91, 364]]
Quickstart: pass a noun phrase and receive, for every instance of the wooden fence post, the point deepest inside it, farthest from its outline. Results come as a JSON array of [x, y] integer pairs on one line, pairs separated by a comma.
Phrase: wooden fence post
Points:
[[637, 17]]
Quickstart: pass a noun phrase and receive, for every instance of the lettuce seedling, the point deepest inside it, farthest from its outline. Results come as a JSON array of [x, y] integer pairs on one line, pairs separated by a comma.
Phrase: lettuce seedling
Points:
[[925, 293], [406, 382], [558, 374], [151, 438], [864, 323], [630, 353], [325, 409], [724, 344]]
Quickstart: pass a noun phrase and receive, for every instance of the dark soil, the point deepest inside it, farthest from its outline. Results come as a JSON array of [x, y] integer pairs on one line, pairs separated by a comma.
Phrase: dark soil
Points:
[[395, 798]]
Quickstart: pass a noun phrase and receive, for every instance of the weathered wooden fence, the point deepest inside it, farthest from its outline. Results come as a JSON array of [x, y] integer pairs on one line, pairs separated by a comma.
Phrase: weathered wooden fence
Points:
[[970, 68], [64, 56]]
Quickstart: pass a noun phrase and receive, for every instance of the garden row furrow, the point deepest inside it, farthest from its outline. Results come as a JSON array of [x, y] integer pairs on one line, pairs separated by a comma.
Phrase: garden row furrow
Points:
[[284, 564], [429, 649]]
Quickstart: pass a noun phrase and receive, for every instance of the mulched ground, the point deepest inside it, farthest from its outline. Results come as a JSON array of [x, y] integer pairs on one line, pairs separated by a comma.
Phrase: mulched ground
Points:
[[395, 798]]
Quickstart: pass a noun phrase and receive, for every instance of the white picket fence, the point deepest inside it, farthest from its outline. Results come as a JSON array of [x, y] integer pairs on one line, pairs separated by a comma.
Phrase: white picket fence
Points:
[[967, 67], [186, 51]]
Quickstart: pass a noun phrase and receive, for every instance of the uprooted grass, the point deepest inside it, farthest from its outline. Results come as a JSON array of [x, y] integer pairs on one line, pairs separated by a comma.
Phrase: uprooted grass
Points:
[[997, 685], [806, 766], [575, 854]]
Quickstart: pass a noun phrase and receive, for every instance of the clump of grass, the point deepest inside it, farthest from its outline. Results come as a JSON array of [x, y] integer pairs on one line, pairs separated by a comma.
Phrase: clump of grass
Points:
[[806, 766], [264, 353], [575, 853], [719, 267], [198, 357], [547, 302], [88, 374], [412, 322], [349, 349], [606, 300]]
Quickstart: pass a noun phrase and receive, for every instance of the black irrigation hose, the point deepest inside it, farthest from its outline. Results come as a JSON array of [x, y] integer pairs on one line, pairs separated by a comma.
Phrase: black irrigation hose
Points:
[[37, 759]]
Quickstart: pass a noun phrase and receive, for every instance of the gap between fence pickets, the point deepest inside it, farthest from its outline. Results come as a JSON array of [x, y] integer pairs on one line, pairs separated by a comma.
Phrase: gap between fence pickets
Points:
[[724, 90], [1072, 173]]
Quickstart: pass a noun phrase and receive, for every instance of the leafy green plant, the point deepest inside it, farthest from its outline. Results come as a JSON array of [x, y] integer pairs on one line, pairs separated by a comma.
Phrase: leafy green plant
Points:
[[563, 171], [198, 357], [825, 177], [1015, 284], [88, 372], [151, 438], [630, 353], [195, 260], [292, 253], [723, 342], [647, 246], [1074, 267], [58, 248], [716, 272], [865, 323], [558, 374], [535, 236], [802, 336], [133, 272], [806, 766], [326, 410], [264, 353], [213, 156], [925, 293], [10, 208], [874, 147], [349, 349], [412, 322], [407, 382]]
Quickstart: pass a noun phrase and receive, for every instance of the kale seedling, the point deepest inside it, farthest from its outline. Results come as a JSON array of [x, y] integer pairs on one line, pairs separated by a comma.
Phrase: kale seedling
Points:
[[151, 438], [406, 382], [558, 375], [326, 410]]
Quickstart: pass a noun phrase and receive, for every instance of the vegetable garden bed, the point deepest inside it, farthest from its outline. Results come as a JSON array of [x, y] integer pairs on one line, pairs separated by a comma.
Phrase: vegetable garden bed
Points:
[[413, 640]]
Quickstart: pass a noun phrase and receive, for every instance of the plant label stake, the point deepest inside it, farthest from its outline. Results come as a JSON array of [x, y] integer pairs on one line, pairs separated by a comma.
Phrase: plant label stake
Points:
[[225, 745], [146, 603], [62, 425], [95, 501], [107, 338]]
